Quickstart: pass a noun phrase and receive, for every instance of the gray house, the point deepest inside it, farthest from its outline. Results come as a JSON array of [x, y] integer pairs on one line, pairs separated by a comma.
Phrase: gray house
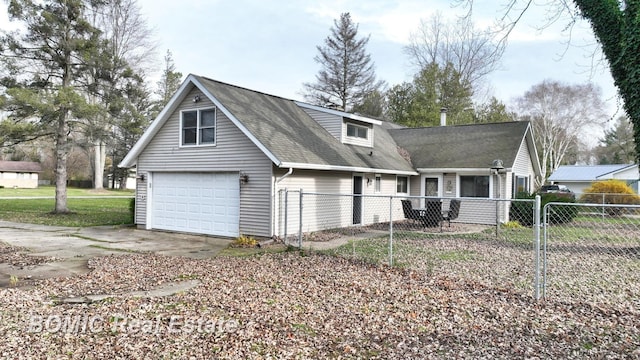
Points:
[[579, 177], [217, 158]]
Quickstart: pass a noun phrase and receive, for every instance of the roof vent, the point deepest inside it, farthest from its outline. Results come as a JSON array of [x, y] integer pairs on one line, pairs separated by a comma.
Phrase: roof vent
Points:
[[443, 116]]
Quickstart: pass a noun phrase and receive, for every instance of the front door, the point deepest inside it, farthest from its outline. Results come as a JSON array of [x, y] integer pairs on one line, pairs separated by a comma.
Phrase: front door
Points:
[[357, 199], [431, 186]]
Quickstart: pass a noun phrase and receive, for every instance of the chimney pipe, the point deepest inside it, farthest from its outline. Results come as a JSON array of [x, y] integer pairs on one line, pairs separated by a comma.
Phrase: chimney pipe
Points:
[[443, 116]]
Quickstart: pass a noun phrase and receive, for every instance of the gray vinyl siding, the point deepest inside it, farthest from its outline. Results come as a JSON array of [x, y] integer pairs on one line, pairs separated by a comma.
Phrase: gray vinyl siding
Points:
[[477, 211], [319, 211], [233, 152], [140, 214], [332, 123], [333, 208], [450, 183]]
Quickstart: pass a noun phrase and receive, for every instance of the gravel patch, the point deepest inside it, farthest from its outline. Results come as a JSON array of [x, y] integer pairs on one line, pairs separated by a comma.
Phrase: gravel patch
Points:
[[295, 306]]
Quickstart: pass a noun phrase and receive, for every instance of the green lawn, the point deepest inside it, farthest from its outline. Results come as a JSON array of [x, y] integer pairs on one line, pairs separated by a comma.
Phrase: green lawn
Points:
[[99, 210]]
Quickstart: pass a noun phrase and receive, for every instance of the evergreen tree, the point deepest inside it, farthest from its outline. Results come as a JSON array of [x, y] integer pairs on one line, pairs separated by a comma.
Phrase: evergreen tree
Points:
[[419, 103], [347, 75], [47, 65], [168, 84], [617, 146]]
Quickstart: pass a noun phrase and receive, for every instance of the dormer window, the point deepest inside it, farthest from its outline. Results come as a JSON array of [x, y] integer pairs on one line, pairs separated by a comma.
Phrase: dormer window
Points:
[[356, 131]]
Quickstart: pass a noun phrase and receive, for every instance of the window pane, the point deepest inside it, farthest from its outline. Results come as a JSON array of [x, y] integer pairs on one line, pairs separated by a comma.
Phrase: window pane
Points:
[[188, 136], [208, 118], [351, 130], [431, 186], [362, 133], [189, 119], [402, 184], [207, 136], [378, 184], [482, 186], [474, 186]]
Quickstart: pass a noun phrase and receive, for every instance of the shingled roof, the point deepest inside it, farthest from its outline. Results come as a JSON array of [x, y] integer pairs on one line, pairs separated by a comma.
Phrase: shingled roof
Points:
[[462, 146], [20, 166]]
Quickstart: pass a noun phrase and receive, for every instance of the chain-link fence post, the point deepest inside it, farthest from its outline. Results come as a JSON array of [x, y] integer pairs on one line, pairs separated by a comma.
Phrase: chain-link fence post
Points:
[[391, 231], [536, 244], [300, 223]]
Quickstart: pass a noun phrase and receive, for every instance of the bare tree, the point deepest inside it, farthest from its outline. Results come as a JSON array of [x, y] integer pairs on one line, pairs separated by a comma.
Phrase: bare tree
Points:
[[615, 25], [128, 53], [472, 52], [560, 115], [347, 76]]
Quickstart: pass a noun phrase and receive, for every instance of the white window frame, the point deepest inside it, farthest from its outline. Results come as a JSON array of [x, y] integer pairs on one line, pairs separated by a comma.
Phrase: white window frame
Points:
[[408, 189], [377, 184], [357, 127], [199, 127], [459, 184]]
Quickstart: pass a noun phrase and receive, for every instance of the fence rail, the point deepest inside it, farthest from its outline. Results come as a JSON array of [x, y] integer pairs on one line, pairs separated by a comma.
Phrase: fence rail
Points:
[[516, 244]]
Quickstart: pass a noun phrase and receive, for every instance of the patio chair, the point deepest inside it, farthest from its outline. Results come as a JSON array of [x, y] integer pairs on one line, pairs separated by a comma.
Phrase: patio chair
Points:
[[452, 213], [427, 217], [413, 214]]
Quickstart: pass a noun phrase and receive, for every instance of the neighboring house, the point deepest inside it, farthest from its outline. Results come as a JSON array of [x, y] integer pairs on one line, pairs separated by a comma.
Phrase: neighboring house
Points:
[[579, 177], [218, 158], [19, 174]]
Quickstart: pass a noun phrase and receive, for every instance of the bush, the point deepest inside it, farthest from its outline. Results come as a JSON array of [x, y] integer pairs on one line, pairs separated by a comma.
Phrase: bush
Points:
[[245, 241], [610, 192], [522, 211], [132, 210]]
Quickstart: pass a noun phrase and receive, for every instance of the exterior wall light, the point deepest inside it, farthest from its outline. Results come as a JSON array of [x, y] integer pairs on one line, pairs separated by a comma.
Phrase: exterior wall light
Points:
[[244, 178]]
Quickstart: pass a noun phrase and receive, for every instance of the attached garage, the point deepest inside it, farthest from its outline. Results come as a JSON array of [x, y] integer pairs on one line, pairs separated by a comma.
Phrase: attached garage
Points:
[[205, 203]]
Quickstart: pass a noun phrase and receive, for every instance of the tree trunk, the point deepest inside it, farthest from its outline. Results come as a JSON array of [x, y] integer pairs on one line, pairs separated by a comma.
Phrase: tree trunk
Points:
[[100, 152], [62, 153]]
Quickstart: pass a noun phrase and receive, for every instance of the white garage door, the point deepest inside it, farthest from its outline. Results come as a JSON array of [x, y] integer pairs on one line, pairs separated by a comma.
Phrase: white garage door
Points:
[[203, 203]]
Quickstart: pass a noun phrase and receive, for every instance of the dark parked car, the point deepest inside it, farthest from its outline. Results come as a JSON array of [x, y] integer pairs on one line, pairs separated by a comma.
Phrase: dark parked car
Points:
[[560, 190]]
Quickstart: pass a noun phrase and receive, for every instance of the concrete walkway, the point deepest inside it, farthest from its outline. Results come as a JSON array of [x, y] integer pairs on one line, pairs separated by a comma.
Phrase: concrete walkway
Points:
[[75, 246]]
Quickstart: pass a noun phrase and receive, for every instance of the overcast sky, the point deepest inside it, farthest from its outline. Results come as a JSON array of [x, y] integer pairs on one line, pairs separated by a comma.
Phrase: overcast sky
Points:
[[269, 46]]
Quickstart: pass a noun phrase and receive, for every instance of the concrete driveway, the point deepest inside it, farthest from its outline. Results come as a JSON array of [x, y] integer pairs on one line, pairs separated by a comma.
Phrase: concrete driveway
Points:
[[75, 246]]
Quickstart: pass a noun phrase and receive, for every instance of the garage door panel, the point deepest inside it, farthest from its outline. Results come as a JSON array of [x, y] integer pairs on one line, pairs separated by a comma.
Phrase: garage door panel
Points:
[[206, 203]]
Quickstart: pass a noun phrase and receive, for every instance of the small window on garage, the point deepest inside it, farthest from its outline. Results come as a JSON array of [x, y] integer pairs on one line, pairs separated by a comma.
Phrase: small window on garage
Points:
[[198, 127]]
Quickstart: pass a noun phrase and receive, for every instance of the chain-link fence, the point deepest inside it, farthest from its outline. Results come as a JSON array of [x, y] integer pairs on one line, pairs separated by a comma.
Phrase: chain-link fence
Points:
[[444, 236], [563, 250], [592, 252]]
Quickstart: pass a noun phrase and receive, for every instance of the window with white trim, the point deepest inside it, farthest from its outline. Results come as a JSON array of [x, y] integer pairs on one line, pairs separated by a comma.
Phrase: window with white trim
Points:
[[520, 184], [402, 184], [474, 186], [198, 127], [378, 183], [356, 131]]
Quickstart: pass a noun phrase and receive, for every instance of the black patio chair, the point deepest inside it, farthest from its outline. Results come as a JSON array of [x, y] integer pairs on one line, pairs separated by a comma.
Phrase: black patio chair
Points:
[[427, 217], [452, 213]]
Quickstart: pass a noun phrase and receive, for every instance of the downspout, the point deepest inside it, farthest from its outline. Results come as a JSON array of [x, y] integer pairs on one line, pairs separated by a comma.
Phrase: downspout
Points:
[[275, 187], [284, 176]]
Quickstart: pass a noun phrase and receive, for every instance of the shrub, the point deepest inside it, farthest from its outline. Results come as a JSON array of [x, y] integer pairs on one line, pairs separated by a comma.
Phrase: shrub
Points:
[[132, 210], [244, 241], [610, 192], [522, 211]]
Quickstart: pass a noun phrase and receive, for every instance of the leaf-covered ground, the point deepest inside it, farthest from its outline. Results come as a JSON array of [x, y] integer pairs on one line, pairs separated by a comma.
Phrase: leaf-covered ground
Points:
[[297, 306]]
